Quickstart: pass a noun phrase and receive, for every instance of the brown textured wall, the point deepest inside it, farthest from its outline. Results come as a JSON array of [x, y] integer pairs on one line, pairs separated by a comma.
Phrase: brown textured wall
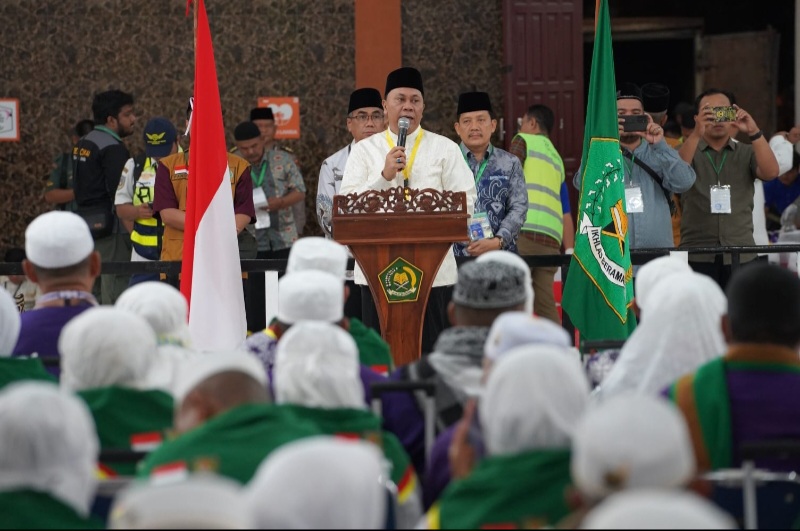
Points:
[[56, 54]]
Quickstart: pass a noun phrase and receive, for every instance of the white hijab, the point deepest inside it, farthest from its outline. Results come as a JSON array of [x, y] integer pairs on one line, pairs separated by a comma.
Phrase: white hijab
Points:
[[106, 346], [317, 366], [9, 324], [631, 442], [681, 329], [163, 307], [201, 501], [533, 399], [319, 483], [652, 273], [657, 509], [513, 259], [47, 443]]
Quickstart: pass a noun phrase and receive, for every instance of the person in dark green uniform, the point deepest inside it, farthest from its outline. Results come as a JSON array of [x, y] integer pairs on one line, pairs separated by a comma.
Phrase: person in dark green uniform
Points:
[[15, 369], [106, 357], [529, 410], [317, 373], [224, 421], [51, 483]]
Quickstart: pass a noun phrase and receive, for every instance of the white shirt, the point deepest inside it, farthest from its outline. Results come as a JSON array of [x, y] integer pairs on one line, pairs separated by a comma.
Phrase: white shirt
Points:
[[438, 164], [125, 191]]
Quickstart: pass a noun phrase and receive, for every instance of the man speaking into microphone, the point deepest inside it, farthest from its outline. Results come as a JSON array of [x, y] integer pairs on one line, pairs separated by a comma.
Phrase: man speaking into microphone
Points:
[[417, 159]]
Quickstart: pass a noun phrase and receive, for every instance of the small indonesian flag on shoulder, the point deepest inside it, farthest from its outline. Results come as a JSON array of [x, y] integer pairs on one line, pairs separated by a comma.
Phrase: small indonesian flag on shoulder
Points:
[[182, 170], [383, 370], [169, 473], [146, 442]]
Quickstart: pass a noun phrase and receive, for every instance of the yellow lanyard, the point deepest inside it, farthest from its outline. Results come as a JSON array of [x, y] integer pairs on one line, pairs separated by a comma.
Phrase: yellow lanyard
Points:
[[407, 170]]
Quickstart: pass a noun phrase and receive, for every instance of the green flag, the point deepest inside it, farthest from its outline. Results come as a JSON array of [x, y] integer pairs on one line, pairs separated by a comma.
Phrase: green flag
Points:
[[598, 289]]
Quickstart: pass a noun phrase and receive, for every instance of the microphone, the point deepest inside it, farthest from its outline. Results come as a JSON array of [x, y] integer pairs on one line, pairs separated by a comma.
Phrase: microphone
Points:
[[402, 126]]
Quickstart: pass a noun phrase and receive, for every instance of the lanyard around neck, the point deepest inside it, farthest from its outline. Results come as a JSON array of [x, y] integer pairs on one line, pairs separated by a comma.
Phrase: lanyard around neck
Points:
[[260, 180], [481, 167], [717, 169], [407, 170], [66, 296]]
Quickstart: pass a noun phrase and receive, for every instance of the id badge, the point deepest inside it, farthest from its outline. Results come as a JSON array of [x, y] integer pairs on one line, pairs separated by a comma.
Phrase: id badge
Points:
[[720, 199], [633, 200], [479, 227], [262, 216]]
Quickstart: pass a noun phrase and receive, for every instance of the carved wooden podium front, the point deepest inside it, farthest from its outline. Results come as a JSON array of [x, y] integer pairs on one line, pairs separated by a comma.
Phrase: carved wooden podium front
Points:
[[400, 245]]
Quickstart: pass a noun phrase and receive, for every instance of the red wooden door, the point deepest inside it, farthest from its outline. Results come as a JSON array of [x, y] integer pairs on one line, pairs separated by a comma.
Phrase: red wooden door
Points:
[[543, 53]]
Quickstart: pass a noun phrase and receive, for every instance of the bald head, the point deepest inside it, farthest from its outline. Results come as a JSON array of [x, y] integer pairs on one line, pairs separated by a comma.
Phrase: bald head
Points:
[[217, 394]]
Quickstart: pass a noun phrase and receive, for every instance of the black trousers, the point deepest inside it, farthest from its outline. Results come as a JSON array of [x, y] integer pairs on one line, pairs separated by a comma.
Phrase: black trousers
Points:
[[254, 304], [435, 320]]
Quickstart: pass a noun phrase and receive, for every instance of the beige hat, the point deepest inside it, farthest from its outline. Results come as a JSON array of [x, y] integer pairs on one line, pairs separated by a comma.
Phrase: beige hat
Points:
[[196, 370], [58, 239], [310, 296], [319, 254]]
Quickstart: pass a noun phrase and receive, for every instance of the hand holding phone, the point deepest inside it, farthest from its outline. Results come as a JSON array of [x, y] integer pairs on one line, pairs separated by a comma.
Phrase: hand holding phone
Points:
[[634, 123]]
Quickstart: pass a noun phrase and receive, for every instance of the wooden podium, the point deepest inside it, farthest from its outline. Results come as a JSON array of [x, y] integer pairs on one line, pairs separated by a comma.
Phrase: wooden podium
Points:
[[400, 245]]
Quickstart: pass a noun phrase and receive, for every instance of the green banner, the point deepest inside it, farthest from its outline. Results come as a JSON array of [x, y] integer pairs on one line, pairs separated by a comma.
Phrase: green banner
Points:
[[599, 290]]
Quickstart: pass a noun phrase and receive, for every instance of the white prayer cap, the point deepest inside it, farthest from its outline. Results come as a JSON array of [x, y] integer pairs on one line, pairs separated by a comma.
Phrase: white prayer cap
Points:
[[47, 443], [58, 239], [533, 400], [319, 483], [106, 346], [657, 509], [201, 501], [317, 365], [631, 442], [195, 371], [652, 273], [318, 254], [310, 296], [9, 324], [514, 329], [162, 306], [784, 153], [513, 259]]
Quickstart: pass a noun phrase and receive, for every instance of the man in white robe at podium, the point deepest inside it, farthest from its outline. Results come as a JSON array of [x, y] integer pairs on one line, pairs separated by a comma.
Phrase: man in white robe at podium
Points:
[[428, 160]]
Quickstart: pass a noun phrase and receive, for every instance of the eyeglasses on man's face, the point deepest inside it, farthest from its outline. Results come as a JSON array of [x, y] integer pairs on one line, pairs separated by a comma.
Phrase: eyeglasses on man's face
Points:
[[364, 117]]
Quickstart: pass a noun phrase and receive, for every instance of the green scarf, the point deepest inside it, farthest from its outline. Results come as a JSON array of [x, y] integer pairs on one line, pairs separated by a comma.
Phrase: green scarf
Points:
[[704, 399], [373, 351], [232, 444], [524, 490], [124, 416], [16, 369], [30, 509]]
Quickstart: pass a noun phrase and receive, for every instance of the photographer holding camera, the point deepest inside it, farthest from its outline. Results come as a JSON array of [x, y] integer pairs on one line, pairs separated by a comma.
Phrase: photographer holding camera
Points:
[[653, 172], [718, 209]]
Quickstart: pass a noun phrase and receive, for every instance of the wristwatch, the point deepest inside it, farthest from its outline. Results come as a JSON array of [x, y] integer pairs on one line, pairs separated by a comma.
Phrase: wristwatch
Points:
[[503, 244]]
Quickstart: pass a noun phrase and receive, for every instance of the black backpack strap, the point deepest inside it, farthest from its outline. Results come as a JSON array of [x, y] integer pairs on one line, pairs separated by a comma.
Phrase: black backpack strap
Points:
[[656, 177], [138, 166]]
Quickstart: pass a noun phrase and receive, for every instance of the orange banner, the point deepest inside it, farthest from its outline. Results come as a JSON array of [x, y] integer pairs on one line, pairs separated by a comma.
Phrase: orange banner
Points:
[[287, 115]]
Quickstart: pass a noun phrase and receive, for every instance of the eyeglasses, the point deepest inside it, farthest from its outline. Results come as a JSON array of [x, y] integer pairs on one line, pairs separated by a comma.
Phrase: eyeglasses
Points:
[[364, 117]]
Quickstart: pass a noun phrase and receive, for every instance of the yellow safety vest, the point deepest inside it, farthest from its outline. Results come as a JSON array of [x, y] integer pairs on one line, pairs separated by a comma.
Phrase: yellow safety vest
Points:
[[544, 175], [145, 234]]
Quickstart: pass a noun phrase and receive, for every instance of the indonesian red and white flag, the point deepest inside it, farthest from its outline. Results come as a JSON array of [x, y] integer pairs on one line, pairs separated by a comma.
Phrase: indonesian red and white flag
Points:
[[211, 275]]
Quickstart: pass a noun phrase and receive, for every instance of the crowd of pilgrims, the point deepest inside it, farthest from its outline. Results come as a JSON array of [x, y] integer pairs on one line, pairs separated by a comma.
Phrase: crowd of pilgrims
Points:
[[281, 433]]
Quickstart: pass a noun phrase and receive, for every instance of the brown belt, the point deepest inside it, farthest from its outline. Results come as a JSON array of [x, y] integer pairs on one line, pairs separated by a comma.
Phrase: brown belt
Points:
[[540, 238]]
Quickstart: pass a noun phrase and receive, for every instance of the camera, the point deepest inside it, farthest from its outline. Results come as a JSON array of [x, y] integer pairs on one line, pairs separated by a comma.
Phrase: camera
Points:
[[724, 114], [634, 122]]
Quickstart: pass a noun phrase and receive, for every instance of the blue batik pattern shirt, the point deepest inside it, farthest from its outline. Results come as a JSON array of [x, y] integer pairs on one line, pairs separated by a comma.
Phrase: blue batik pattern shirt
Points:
[[501, 194]]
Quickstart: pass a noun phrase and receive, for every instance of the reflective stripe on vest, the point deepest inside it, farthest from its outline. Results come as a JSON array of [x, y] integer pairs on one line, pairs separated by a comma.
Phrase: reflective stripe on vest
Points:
[[144, 236], [544, 174]]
